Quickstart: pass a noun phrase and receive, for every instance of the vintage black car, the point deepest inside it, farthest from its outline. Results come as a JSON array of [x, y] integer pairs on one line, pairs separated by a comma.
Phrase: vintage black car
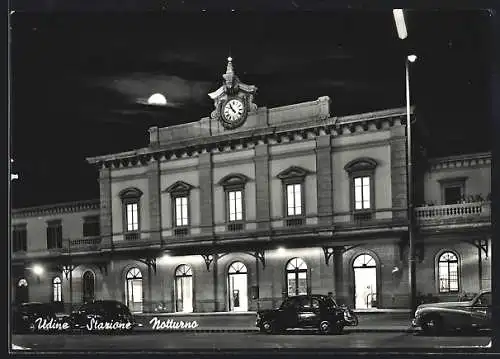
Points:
[[103, 316], [36, 317], [305, 311], [436, 318]]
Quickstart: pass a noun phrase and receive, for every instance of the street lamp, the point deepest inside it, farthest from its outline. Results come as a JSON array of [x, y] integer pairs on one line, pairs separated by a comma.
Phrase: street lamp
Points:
[[411, 233], [38, 271], [399, 19]]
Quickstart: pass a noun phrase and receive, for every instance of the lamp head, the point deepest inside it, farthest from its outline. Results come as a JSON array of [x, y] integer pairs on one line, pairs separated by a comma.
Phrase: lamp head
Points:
[[412, 58], [38, 270]]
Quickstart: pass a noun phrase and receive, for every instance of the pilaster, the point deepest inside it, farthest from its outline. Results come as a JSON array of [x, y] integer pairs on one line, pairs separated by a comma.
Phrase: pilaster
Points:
[[324, 179], [262, 186], [398, 171], [106, 227], [206, 192], [153, 175]]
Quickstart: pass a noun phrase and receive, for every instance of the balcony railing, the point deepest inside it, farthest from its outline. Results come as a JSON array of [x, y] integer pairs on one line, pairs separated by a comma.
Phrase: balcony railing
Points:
[[451, 211], [85, 242]]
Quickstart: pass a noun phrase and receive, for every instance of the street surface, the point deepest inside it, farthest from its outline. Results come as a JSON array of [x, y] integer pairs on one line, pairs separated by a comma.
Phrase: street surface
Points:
[[211, 341]]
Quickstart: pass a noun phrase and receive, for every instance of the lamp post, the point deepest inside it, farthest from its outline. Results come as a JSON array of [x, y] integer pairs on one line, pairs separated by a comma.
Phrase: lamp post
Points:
[[412, 283], [399, 19]]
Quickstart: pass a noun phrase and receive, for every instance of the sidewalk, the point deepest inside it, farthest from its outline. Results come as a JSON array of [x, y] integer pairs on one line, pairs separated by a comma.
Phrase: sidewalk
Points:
[[245, 322]]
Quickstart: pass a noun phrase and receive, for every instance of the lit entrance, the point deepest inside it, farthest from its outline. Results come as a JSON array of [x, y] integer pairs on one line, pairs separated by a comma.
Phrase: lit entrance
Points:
[[134, 290], [184, 289], [238, 287], [22, 295], [365, 282]]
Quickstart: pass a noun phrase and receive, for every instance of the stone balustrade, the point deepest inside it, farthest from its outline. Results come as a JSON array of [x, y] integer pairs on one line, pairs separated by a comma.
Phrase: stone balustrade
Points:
[[450, 211]]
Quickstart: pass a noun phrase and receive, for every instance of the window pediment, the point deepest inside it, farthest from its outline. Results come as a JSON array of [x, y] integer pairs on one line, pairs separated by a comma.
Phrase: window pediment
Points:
[[179, 187], [130, 193], [361, 164], [293, 172], [234, 179]]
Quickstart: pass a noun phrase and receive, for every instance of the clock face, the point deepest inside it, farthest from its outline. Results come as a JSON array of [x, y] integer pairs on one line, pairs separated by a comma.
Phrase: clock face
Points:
[[233, 110]]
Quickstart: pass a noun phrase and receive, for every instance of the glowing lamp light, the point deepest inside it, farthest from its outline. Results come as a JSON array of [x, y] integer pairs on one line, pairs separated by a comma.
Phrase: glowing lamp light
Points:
[[157, 99], [399, 19], [281, 249], [412, 58], [38, 270]]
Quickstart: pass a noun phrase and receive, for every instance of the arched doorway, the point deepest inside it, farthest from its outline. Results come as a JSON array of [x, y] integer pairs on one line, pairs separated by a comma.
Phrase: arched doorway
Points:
[[296, 276], [238, 287], [134, 290], [365, 282], [88, 286], [184, 289], [22, 294]]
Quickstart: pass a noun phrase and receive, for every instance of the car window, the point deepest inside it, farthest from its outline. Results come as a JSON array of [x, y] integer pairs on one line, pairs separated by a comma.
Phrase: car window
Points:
[[484, 300], [305, 303], [315, 303], [289, 303]]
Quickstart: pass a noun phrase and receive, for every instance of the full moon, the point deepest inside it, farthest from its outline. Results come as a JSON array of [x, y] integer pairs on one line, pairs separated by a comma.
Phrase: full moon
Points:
[[157, 99]]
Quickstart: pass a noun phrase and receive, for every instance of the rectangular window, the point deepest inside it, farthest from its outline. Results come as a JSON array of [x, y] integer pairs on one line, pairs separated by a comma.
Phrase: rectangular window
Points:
[[19, 239], [235, 205], [362, 193], [448, 281], [91, 226], [132, 217], [181, 211], [54, 235], [294, 199]]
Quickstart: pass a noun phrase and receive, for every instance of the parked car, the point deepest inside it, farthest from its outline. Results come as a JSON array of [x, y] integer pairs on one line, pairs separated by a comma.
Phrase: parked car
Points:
[[103, 316], [435, 318], [306, 311], [36, 317]]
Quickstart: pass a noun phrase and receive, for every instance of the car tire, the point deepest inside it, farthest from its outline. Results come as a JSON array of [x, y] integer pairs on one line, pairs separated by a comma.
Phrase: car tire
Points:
[[432, 325], [269, 327], [325, 327]]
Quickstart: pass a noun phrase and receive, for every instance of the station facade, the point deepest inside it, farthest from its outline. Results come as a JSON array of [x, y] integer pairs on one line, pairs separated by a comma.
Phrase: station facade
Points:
[[243, 208]]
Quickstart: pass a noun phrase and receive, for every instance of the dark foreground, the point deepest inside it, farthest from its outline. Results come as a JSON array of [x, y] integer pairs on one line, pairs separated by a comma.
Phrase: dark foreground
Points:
[[157, 341]]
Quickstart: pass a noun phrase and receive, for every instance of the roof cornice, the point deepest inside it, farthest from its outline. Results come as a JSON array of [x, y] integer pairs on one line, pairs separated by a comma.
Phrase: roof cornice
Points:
[[58, 208]]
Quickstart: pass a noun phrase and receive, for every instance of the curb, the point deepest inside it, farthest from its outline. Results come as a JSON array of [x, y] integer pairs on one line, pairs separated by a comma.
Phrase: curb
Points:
[[256, 330]]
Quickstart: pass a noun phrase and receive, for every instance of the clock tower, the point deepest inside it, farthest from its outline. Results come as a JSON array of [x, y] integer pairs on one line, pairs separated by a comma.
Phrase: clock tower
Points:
[[233, 100]]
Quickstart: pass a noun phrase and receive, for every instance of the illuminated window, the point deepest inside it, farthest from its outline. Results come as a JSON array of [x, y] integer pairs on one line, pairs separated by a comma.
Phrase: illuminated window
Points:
[[179, 193], [361, 176], [448, 272], [131, 212], [293, 179], [57, 289], [235, 199], [294, 199], [134, 290], [362, 193], [296, 276], [234, 188], [238, 287]]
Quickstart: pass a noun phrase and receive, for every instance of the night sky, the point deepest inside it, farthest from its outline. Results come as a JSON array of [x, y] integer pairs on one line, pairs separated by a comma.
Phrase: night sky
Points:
[[79, 81]]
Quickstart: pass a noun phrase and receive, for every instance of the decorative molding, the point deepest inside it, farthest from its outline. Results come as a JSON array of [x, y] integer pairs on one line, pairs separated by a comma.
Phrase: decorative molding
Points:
[[131, 192], [463, 161], [234, 179], [361, 164], [59, 208], [293, 172], [179, 186]]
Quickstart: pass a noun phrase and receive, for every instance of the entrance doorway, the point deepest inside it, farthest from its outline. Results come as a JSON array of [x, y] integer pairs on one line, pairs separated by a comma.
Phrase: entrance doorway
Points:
[[365, 282], [238, 287], [22, 294], [184, 289]]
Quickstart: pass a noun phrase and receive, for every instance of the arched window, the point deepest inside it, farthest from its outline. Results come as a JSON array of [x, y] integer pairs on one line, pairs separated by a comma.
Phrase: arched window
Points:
[[57, 289], [448, 272], [134, 290], [238, 287], [365, 282], [88, 283], [184, 289], [22, 295], [296, 276]]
